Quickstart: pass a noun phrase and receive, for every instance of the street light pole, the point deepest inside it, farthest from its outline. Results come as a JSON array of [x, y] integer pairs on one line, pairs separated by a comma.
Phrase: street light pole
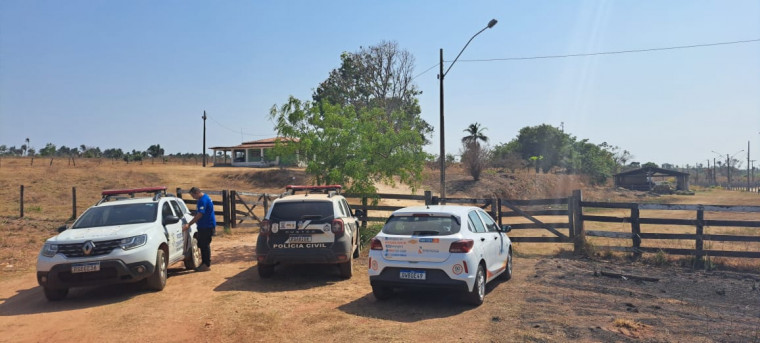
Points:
[[204, 138], [441, 75]]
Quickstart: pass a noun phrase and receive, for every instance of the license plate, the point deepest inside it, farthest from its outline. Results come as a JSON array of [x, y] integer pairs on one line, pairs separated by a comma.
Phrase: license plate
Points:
[[299, 239], [289, 225], [85, 267], [412, 275]]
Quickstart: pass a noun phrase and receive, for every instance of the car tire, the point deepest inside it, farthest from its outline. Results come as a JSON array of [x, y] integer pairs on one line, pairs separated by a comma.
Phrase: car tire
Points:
[[478, 293], [382, 292], [194, 260], [347, 268], [55, 294], [265, 270], [157, 280], [507, 274]]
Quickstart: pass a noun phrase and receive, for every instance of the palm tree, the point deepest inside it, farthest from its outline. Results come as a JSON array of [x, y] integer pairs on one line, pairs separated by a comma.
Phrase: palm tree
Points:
[[26, 147], [475, 132]]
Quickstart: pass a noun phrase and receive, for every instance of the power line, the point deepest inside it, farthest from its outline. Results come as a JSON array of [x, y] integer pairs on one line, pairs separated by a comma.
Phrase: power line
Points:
[[601, 53], [235, 131]]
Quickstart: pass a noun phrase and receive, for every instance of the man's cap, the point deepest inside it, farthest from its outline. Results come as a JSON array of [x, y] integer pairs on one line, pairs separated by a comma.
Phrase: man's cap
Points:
[[195, 190]]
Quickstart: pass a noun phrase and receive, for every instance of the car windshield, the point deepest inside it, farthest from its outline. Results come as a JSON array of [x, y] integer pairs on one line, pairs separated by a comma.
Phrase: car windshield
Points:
[[313, 210], [421, 225], [117, 215]]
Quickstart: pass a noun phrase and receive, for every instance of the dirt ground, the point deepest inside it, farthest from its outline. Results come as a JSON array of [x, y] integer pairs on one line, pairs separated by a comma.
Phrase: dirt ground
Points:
[[547, 300], [551, 298]]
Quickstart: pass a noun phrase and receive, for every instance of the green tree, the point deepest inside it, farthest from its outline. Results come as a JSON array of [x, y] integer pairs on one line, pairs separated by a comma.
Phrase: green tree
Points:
[[155, 150], [474, 135], [379, 76], [341, 145], [650, 165], [546, 141], [48, 150], [113, 153]]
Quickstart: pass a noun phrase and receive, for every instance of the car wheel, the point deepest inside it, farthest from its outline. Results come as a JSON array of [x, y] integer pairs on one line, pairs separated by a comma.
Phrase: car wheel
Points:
[[507, 274], [194, 260], [55, 294], [157, 280], [265, 270], [347, 268], [478, 293], [382, 292]]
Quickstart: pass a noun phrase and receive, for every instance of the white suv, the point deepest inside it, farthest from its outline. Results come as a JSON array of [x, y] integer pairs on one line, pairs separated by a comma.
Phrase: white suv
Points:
[[119, 240], [455, 247], [309, 228]]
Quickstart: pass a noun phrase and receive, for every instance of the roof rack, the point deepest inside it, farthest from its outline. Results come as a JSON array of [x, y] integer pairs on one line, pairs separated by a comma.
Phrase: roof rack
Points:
[[110, 193], [326, 189]]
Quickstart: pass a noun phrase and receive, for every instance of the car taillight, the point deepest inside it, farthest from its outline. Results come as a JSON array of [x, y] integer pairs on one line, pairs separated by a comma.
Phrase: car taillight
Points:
[[337, 227], [376, 244], [265, 227], [461, 246]]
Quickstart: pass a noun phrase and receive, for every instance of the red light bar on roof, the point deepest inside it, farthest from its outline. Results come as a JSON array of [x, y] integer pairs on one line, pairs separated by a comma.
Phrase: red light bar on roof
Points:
[[134, 190], [313, 188], [292, 189]]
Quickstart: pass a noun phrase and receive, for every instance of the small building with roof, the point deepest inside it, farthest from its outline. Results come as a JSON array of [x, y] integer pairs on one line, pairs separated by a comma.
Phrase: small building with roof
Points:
[[645, 179], [254, 154]]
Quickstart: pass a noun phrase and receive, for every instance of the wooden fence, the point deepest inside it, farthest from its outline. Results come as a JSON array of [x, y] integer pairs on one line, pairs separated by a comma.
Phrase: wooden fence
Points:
[[561, 220]]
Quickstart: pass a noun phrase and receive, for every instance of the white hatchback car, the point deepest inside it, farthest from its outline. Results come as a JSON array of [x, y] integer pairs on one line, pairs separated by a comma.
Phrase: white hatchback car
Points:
[[441, 246]]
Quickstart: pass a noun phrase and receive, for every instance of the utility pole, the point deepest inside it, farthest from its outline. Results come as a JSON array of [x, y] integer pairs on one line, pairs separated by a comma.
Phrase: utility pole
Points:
[[728, 170], [748, 184], [204, 138], [715, 172], [707, 177]]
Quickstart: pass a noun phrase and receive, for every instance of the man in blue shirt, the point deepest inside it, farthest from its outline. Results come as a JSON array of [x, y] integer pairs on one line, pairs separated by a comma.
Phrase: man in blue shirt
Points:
[[206, 221]]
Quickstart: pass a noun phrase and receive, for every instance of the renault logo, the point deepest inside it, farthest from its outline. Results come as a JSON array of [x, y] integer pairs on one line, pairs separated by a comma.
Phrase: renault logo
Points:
[[88, 247]]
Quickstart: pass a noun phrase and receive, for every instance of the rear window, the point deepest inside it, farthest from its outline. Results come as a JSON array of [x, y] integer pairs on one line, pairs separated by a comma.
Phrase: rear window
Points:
[[421, 226], [312, 210]]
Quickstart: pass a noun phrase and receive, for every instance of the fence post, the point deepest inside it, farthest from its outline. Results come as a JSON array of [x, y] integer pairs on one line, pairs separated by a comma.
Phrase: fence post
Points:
[[364, 209], [580, 233], [494, 209], [179, 192], [226, 208], [498, 204], [233, 206], [636, 230], [21, 202], [571, 216], [700, 235], [266, 204], [428, 198], [73, 202]]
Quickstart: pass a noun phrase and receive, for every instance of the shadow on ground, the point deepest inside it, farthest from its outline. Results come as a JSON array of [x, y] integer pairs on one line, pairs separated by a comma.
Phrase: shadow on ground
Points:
[[32, 300]]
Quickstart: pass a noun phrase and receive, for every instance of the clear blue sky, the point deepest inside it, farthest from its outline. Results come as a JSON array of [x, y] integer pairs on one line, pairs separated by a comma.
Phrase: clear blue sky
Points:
[[129, 74]]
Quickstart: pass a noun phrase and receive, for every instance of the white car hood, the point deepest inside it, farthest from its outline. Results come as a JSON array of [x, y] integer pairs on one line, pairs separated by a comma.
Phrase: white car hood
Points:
[[101, 233]]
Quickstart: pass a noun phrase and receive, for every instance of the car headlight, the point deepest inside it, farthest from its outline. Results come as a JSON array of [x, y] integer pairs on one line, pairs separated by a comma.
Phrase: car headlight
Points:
[[133, 242], [49, 250]]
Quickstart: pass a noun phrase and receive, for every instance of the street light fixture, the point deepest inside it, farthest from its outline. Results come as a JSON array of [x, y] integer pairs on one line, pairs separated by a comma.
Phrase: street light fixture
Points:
[[441, 75]]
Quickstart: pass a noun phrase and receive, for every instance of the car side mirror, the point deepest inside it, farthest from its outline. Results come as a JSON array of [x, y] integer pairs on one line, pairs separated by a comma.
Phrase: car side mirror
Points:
[[358, 213], [170, 220], [62, 229], [506, 228]]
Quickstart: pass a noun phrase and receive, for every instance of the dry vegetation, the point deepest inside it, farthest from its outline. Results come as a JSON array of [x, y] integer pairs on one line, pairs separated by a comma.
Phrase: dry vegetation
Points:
[[552, 297]]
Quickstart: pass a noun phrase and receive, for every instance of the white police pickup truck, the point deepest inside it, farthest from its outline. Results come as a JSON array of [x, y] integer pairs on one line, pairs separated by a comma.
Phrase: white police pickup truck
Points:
[[120, 239]]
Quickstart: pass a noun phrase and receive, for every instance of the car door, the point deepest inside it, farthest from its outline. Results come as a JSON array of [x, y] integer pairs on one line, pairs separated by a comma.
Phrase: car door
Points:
[[350, 221], [174, 233], [495, 248], [184, 218]]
